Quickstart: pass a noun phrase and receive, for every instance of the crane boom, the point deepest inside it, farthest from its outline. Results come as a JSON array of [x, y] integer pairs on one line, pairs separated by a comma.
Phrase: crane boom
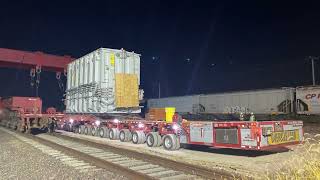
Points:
[[27, 60]]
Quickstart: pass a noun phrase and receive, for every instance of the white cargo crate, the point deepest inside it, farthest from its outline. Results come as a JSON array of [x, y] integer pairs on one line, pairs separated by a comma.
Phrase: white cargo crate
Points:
[[308, 100], [91, 81]]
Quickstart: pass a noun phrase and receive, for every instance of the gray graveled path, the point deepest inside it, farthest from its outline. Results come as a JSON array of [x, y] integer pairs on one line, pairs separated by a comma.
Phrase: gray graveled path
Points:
[[21, 160]]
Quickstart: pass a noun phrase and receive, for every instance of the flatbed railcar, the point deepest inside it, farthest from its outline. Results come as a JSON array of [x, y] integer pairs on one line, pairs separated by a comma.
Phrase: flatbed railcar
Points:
[[25, 114]]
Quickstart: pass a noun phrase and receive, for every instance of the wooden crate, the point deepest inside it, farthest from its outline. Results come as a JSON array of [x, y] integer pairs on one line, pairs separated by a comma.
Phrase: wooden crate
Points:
[[126, 90]]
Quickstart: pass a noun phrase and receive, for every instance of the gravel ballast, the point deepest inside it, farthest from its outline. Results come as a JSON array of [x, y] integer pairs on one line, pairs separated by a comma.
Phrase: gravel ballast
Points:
[[19, 160]]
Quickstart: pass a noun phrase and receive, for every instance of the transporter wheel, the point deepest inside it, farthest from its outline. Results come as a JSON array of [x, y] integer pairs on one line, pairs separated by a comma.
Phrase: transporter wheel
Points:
[[138, 137], [82, 128], [75, 129], [64, 127], [79, 130], [12, 125], [8, 124], [104, 132], [70, 127], [23, 129], [15, 126], [125, 135], [67, 127], [94, 131], [114, 133], [19, 127], [87, 130], [171, 142], [153, 139], [90, 130]]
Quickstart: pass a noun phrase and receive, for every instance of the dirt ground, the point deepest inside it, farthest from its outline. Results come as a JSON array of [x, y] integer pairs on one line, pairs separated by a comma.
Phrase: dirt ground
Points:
[[247, 163]]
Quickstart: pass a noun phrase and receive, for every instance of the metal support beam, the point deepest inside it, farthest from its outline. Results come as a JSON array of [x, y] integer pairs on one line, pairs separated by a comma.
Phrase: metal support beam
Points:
[[312, 58], [27, 60]]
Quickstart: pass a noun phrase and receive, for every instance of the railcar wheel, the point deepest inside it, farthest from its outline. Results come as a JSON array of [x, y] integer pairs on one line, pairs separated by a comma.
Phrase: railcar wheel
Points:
[[104, 132], [125, 135], [114, 133], [171, 142]]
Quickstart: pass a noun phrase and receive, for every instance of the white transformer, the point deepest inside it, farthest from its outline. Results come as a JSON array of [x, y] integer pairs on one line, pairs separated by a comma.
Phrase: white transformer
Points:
[[104, 81]]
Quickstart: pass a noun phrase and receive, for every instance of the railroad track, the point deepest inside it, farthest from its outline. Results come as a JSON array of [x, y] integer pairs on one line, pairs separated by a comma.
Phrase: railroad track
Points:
[[170, 164], [90, 156]]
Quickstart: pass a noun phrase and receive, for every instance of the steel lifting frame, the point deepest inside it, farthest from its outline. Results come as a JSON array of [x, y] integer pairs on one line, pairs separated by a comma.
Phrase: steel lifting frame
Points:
[[33, 60]]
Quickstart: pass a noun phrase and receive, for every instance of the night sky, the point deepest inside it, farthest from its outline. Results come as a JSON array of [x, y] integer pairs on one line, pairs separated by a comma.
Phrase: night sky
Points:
[[190, 47]]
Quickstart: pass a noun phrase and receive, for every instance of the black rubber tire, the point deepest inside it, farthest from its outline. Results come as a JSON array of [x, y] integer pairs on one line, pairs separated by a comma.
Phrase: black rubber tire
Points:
[[135, 137], [86, 130], [8, 125], [82, 127], [153, 139], [14, 125], [122, 136], [138, 137], [75, 129], [94, 131], [64, 127], [159, 140], [104, 132], [114, 134], [125, 135], [69, 127], [23, 129], [171, 142]]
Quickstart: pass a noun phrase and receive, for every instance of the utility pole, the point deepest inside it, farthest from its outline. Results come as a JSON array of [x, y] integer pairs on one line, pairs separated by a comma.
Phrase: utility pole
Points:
[[159, 90], [312, 58]]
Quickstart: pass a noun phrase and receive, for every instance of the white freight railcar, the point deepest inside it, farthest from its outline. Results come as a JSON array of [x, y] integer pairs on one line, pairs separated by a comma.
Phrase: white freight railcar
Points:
[[268, 101], [308, 100], [183, 104]]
